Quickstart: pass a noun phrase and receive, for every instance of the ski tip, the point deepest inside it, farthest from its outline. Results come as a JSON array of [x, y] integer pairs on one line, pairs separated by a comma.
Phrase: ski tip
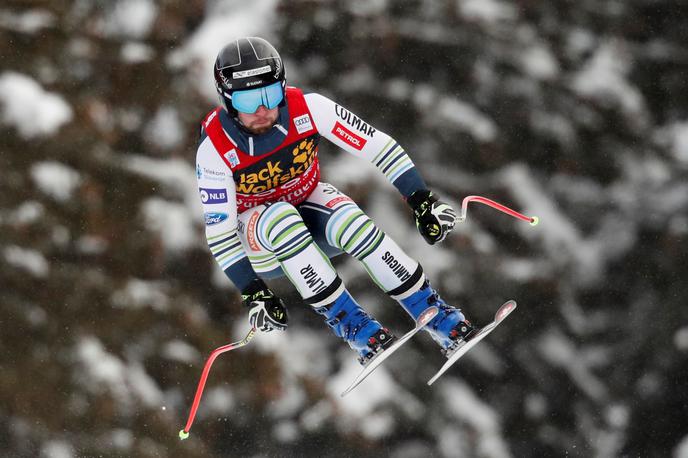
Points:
[[183, 434], [505, 309]]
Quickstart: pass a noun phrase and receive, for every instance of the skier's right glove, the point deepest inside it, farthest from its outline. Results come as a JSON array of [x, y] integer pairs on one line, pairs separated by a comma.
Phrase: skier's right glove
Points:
[[434, 219], [266, 312]]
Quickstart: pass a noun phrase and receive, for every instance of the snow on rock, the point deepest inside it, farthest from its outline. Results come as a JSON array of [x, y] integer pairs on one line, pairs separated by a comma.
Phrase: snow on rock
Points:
[[458, 113], [28, 260], [286, 431], [135, 52], [301, 356], [104, 371], [175, 174], [304, 354], [143, 386], [30, 21], [367, 399], [465, 117], [554, 126], [462, 403], [681, 339], [538, 62], [292, 399], [489, 12], [369, 394], [367, 403], [225, 21], [675, 137], [579, 42], [314, 418], [165, 129], [681, 450], [161, 215], [559, 351], [91, 245], [603, 78], [29, 108], [140, 293], [55, 179], [57, 449], [130, 18], [377, 425], [178, 350], [558, 234], [218, 400], [120, 439], [27, 212]]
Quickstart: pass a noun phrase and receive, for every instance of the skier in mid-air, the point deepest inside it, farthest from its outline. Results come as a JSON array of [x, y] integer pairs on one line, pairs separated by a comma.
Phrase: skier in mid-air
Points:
[[267, 213]]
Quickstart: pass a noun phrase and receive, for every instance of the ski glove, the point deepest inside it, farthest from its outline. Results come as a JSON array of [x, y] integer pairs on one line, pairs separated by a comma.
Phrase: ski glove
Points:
[[434, 219], [266, 311]]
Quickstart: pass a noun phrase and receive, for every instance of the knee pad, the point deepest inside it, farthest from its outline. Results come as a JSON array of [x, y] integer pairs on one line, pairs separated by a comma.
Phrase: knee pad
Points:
[[280, 222]]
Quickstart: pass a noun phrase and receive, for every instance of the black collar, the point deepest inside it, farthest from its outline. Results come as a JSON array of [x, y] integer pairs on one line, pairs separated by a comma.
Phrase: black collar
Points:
[[256, 144]]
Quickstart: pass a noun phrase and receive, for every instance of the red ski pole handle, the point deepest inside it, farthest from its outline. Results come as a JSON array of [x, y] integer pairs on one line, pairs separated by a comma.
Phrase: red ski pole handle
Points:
[[533, 220], [184, 433]]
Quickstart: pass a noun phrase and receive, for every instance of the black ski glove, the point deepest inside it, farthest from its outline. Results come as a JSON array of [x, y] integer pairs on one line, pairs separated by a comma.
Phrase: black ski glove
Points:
[[434, 219], [266, 311]]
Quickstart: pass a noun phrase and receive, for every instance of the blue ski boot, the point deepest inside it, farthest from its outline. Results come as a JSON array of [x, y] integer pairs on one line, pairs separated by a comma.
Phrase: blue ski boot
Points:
[[350, 322], [449, 327]]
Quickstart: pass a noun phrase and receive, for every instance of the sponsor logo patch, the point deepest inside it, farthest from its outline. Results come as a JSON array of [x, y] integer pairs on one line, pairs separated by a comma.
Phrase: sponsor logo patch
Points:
[[284, 166], [212, 218], [213, 196], [209, 174], [312, 279], [232, 157], [338, 200], [303, 123], [354, 121], [397, 268], [252, 72], [348, 137], [251, 232]]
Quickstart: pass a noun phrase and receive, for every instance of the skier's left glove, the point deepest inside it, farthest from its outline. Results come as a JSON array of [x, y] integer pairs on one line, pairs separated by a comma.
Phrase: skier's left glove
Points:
[[434, 219], [266, 311]]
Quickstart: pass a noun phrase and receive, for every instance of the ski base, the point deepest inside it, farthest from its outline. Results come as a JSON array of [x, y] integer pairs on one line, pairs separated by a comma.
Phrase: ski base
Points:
[[377, 360], [463, 347]]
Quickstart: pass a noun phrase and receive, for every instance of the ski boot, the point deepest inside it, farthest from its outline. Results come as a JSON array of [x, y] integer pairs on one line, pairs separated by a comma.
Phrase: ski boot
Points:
[[350, 322], [449, 328]]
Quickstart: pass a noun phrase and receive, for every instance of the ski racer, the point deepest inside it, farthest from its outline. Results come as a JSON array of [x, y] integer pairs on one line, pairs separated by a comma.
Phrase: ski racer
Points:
[[268, 214]]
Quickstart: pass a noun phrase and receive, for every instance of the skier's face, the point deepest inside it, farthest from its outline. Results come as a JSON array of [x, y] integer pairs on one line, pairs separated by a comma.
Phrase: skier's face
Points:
[[259, 122]]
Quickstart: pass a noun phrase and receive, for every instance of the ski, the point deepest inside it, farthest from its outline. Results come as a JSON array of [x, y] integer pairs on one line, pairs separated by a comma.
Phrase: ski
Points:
[[422, 320], [463, 347]]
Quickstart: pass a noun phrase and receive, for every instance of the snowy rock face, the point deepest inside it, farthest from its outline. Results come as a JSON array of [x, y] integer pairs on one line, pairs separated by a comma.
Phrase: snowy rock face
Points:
[[29, 108], [110, 300]]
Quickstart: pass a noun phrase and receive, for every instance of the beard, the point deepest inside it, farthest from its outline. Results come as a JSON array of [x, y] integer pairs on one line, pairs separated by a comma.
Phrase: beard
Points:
[[259, 126], [259, 130]]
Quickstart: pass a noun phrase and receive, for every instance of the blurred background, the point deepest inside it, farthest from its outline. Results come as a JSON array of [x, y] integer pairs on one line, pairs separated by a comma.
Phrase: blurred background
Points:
[[110, 301]]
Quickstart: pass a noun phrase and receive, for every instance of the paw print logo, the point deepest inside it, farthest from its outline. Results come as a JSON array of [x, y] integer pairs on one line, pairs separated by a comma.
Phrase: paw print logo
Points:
[[302, 151]]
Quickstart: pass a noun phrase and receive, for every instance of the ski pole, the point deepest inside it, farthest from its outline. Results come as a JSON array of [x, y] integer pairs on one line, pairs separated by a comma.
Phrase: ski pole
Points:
[[184, 433], [533, 220]]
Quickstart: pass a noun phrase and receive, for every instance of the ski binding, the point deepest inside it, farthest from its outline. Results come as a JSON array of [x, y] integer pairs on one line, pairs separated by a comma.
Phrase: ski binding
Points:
[[464, 346], [424, 318]]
